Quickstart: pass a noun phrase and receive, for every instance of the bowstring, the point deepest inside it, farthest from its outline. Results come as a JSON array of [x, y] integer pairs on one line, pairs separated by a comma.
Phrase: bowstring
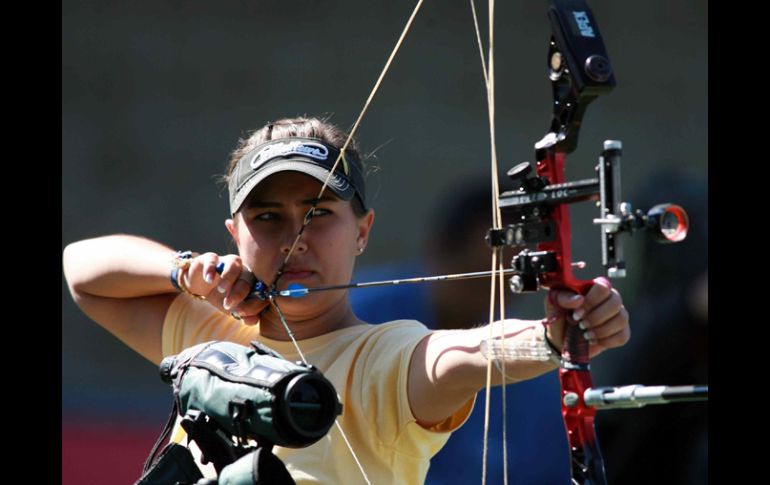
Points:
[[336, 420], [309, 215], [311, 211]]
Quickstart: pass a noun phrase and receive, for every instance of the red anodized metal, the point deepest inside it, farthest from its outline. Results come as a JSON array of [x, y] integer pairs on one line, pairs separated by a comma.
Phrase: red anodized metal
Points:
[[587, 463]]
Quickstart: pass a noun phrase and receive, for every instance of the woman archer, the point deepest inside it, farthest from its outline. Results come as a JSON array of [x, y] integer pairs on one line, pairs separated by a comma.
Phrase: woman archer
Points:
[[404, 388]]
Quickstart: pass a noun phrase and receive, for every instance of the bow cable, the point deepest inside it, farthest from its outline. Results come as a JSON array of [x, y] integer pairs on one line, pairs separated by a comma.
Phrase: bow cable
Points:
[[497, 253]]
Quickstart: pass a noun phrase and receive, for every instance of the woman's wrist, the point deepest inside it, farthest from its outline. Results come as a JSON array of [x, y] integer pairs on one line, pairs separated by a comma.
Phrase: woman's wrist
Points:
[[180, 263], [555, 351]]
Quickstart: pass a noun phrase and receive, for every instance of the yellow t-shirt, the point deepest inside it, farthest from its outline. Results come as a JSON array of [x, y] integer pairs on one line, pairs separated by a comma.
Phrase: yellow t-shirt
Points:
[[368, 365]]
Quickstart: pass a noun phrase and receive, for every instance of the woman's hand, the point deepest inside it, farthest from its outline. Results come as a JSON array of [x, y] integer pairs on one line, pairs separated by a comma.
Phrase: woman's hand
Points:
[[600, 313], [226, 291]]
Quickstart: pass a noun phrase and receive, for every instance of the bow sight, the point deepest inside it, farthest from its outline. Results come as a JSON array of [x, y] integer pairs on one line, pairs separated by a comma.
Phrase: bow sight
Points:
[[534, 201]]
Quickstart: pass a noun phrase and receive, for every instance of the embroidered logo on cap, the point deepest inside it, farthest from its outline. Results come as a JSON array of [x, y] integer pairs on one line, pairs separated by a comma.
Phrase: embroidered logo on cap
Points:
[[338, 182], [304, 148]]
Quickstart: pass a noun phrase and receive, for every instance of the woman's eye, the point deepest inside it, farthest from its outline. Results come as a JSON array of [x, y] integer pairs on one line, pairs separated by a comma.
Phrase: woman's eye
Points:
[[266, 216], [321, 212]]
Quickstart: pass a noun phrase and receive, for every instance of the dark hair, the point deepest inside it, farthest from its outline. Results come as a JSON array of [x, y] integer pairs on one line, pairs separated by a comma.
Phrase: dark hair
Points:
[[307, 127]]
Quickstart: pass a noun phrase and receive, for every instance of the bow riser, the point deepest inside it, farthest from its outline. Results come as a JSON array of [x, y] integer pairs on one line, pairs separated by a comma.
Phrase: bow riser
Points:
[[552, 169]]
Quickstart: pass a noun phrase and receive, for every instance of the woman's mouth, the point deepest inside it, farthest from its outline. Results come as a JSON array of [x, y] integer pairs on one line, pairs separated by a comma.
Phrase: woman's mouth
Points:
[[296, 274]]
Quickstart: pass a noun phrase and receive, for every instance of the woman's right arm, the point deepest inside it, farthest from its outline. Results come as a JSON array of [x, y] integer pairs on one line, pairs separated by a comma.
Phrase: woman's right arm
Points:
[[122, 283]]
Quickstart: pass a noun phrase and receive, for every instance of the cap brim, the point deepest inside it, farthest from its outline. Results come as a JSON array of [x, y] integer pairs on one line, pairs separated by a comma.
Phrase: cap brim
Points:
[[337, 184]]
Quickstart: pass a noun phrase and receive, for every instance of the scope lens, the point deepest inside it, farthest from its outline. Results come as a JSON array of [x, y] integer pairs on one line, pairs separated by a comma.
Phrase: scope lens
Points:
[[669, 224], [670, 221], [305, 406], [312, 405]]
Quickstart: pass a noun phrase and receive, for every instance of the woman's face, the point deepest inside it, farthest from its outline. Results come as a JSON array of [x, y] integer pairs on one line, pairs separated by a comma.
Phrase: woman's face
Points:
[[270, 219]]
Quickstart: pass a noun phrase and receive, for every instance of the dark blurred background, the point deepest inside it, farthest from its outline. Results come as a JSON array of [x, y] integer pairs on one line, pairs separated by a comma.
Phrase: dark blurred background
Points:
[[156, 94]]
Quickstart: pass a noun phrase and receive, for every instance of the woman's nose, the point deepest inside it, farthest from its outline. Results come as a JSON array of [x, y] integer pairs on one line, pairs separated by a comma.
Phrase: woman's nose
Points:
[[299, 246], [294, 238]]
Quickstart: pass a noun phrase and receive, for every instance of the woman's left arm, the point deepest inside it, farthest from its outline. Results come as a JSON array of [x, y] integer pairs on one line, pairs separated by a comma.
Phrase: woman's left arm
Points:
[[448, 368]]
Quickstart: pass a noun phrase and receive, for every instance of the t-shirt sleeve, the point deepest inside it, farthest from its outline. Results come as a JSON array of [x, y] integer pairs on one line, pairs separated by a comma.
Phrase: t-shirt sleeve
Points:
[[384, 386], [189, 322]]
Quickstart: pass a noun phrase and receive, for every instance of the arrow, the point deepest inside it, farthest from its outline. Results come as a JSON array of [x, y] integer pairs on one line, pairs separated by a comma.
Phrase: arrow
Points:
[[295, 290]]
